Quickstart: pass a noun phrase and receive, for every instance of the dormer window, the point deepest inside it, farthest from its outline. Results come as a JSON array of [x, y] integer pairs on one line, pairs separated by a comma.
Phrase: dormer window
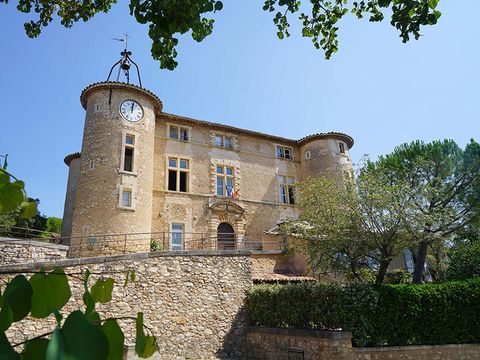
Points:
[[178, 133], [283, 152], [223, 141]]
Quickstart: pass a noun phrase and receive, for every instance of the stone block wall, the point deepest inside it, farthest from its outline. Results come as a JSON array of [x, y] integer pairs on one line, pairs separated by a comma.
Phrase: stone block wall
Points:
[[193, 301], [15, 251], [424, 352], [293, 344]]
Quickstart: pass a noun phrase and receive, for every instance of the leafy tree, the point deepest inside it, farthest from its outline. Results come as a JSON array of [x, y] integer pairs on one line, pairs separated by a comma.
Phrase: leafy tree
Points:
[[444, 195], [351, 226], [464, 261], [167, 19], [53, 225]]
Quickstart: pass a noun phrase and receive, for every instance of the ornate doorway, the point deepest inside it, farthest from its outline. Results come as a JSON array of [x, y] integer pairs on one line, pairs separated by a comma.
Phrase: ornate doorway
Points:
[[225, 237]]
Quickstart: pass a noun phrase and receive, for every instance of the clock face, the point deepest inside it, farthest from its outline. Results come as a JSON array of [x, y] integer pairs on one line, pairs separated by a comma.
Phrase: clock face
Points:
[[131, 110]]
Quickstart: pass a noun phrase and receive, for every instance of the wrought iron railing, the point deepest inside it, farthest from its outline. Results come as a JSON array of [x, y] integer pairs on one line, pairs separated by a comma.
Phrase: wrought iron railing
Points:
[[107, 244]]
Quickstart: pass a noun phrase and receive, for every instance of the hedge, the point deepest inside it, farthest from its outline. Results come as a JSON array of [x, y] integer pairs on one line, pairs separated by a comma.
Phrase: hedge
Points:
[[391, 315]]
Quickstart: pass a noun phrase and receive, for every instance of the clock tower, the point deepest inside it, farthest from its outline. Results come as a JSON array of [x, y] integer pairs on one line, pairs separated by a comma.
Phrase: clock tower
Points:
[[115, 179]]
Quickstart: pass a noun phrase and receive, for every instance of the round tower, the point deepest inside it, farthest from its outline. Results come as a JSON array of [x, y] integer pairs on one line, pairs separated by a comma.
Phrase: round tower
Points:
[[326, 155], [115, 183]]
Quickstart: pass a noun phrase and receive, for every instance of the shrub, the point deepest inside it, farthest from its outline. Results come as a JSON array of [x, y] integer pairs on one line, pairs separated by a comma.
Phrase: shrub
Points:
[[376, 315], [464, 261]]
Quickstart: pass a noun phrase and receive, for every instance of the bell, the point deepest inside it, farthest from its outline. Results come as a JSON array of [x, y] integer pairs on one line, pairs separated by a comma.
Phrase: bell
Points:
[[125, 65]]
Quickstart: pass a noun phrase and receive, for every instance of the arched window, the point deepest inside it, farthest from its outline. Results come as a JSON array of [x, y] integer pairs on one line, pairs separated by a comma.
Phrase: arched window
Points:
[[225, 237]]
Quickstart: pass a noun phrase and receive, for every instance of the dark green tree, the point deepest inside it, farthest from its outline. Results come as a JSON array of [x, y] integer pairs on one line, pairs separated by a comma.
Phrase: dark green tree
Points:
[[166, 19], [443, 197]]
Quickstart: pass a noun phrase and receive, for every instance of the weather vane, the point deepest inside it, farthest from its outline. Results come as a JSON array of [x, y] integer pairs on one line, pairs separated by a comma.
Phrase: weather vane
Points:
[[124, 62]]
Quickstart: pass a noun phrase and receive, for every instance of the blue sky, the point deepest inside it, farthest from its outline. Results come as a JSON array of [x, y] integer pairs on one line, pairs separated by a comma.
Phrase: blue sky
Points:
[[378, 90]]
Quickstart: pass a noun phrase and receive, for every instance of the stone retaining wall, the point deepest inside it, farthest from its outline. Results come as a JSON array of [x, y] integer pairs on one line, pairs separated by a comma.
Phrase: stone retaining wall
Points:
[[193, 301], [17, 251], [293, 344]]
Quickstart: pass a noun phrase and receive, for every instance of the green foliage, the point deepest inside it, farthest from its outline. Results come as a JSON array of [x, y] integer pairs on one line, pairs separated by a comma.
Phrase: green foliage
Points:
[[81, 335], [358, 225], [376, 314], [155, 245], [464, 261], [50, 292], [53, 225], [443, 191], [13, 196], [167, 18]]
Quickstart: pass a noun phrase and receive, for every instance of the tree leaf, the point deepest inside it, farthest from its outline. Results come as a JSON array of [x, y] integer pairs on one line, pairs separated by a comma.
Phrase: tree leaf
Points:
[[35, 349], [102, 290], [15, 302], [6, 350], [56, 347], [50, 291], [78, 339], [11, 196], [29, 209], [145, 346], [115, 339]]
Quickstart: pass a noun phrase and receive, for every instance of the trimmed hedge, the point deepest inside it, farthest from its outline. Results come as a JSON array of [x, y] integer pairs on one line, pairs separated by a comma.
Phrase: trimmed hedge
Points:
[[393, 315]]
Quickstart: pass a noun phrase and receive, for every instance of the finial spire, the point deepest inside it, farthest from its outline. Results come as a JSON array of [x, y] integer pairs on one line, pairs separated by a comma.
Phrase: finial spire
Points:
[[124, 62]]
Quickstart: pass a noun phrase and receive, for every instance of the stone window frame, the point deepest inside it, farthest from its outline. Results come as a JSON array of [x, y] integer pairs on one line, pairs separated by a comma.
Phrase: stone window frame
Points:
[[176, 232], [188, 171], [236, 175], [134, 146], [286, 186], [179, 126], [121, 190], [283, 152], [233, 139]]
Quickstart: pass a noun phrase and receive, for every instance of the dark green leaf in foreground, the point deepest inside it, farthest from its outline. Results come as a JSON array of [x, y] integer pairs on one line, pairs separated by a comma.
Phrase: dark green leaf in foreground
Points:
[[102, 290], [145, 346], [15, 302], [35, 349], [6, 350], [50, 291], [78, 339], [115, 339]]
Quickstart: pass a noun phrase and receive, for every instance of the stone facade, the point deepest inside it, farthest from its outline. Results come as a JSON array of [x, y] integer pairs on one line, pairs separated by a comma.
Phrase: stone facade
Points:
[[254, 164], [293, 344], [193, 301], [15, 251]]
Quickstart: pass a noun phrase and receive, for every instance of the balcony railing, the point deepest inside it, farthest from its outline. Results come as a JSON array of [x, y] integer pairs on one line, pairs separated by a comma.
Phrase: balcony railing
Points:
[[110, 244]]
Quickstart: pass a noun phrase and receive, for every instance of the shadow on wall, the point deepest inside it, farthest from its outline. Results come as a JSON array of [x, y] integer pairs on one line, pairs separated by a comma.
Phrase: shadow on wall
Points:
[[234, 345]]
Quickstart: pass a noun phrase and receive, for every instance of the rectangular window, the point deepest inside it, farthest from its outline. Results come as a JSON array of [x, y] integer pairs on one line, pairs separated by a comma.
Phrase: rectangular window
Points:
[[127, 198], [286, 190], [283, 152], [177, 236], [341, 148], [128, 153], [223, 141], [178, 174], [179, 133], [218, 140], [128, 162], [173, 132], [225, 181]]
